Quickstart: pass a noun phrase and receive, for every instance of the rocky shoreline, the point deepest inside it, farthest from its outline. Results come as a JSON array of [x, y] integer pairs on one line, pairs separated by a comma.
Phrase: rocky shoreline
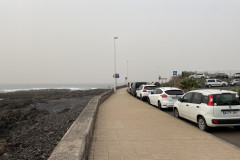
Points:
[[33, 122]]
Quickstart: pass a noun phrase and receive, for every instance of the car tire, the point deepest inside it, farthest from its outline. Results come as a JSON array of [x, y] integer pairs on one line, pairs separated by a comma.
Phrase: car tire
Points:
[[159, 105], [237, 128], [148, 100], [209, 86], [176, 113], [141, 97], [224, 85], [202, 77], [202, 125]]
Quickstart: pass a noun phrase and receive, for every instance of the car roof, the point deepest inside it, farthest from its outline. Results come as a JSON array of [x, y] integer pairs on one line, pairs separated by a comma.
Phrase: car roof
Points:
[[146, 85], [212, 91], [168, 88]]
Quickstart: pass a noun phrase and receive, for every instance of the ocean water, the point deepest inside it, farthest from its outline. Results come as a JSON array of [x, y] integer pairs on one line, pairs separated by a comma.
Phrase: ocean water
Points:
[[82, 86]]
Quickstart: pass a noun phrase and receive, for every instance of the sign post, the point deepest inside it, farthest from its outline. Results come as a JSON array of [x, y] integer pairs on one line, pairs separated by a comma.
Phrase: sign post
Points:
[[174, 75], [159, 78]]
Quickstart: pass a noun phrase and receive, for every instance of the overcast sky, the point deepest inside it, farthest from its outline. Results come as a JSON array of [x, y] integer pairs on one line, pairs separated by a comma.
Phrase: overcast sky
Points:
[[71, 41]]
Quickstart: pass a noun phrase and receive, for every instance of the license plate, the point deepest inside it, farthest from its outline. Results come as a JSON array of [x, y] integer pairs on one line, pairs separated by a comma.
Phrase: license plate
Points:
[[229, 112]]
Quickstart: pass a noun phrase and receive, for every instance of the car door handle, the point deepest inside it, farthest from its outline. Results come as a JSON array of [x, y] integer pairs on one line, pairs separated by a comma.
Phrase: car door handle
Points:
[[197, 106]]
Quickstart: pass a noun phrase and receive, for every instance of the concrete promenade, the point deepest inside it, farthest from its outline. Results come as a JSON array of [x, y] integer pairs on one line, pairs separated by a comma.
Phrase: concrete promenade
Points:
[[129, 129]]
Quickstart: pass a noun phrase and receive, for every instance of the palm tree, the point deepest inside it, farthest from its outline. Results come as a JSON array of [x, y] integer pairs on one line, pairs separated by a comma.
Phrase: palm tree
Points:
[[188, 83]]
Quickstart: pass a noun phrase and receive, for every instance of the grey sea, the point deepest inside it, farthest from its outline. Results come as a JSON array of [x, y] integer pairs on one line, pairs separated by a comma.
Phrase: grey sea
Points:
[[82, 86]]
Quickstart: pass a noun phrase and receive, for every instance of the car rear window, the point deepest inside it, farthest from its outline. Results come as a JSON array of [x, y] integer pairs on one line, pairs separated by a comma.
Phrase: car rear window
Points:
[[174, 92], [139, 84], [226, 99], [149, 87]]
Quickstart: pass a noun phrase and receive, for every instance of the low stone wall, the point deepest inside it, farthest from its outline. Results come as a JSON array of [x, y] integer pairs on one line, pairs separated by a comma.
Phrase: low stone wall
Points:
[[76, 142]]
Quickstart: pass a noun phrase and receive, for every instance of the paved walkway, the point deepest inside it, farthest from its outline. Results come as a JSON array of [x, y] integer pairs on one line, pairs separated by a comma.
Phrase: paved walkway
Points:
[[128, 129]]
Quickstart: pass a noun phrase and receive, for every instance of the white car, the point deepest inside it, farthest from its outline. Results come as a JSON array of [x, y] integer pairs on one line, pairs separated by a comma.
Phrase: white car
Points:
[[215, 83], [164, 97], [236, 75], [198, 75], [210, 108], [144, 90], [234, 82]]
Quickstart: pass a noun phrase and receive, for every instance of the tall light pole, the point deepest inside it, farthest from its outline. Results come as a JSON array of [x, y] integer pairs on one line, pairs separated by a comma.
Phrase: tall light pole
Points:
[[126, 78], [115, 68]]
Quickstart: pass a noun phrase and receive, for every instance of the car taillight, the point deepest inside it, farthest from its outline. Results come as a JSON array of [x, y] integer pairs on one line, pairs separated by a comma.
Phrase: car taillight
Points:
[[210, 100], [144, 90], [214, 121], [164, 96]]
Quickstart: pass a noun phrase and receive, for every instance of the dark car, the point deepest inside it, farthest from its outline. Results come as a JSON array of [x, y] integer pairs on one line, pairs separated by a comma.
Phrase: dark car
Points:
[[135, 86], [222, 75], [129, 89]]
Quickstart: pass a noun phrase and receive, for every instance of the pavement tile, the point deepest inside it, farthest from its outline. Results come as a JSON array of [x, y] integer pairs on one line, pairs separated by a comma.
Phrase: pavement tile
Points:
[[115, 157], [100, 157], [114, 147], [128, 152], [100, 153], [145, 157], [115, 152]]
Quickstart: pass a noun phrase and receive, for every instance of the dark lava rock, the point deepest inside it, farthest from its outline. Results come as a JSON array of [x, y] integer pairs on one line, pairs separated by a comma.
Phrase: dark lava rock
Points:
[[33, 122]]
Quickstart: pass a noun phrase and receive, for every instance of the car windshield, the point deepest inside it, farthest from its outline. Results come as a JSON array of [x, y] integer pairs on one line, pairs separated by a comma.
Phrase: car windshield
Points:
[[226, 99], [149, 87], [174, 92]]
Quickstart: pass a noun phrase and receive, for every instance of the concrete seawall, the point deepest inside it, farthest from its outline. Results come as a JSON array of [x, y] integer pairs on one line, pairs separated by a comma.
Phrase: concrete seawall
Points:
[[75, 143]]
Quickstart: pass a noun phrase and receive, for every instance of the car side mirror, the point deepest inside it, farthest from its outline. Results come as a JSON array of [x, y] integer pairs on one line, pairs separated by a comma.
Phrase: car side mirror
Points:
[[180, 99]]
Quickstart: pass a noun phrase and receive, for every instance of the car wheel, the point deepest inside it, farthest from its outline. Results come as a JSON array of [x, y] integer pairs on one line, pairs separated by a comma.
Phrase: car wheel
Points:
[[224, 85], [202, 125], [148, 99], [176, 113], [202, 77], [237, 128], [141, 97], [159, 105], [209, 85]]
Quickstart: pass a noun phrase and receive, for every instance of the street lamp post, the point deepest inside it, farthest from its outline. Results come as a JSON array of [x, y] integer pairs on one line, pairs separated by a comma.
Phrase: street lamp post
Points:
[[126, 78], [115, 77]]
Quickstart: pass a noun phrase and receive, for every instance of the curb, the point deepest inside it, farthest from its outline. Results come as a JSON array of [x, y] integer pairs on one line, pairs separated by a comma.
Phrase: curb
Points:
[[76, 142]]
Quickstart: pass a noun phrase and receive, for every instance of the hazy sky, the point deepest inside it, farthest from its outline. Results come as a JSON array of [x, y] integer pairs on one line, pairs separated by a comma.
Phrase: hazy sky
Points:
[[71, 41]]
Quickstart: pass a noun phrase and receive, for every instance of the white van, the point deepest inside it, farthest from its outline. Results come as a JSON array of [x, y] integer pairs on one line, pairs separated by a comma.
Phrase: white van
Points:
[[215, 83]]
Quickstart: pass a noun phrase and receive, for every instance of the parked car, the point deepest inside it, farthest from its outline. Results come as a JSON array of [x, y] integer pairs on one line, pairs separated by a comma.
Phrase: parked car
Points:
[[144, 90], [198, 75], [222, 75], [236, 75], [129, 87], [215, 83], [164, 97], [210, 108], [135, 86], [234, 82]]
